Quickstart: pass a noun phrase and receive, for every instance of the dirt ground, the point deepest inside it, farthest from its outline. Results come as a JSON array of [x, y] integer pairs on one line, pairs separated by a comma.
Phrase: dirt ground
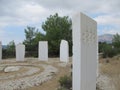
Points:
[[52, 84], [110, 71]]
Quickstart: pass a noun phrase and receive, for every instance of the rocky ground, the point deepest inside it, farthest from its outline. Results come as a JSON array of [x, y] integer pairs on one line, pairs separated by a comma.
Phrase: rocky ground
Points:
[[30, 74], [109, 74], [104, 83], [38, 75]]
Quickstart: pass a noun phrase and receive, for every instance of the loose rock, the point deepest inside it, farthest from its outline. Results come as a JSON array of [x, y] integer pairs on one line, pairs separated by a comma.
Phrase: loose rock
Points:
[[12, 68]]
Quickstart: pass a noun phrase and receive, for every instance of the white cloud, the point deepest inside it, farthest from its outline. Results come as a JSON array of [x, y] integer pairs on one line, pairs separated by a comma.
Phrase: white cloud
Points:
[[111, 31], [107, 30], [109, 19], [30, 11], [3, 35], [109, 22], [1, 32], [24, 12], [24, 15], [91, 6]]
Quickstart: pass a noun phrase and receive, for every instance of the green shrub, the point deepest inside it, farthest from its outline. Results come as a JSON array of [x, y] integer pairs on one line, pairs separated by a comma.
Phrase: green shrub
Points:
[[66, 82]]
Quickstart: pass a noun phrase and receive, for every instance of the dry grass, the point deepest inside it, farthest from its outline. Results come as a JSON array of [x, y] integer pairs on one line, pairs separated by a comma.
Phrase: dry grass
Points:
[[112, 70], [53, 84]]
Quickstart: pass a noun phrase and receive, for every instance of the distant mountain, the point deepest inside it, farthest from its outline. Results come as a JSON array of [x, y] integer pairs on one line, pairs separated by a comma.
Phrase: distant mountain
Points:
[[105, 38]]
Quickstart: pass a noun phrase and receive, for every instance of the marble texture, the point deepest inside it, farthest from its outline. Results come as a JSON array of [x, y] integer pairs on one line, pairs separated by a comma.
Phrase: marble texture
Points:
[[84, 52], [20, 52], [0, 50], [64, 51], [43, 51]]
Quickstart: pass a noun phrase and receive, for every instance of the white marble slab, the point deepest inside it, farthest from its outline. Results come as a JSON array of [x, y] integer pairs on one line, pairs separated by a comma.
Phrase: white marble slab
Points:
[[0, 50], [20, 52], [43, 51], [64, 51], [84, 52]]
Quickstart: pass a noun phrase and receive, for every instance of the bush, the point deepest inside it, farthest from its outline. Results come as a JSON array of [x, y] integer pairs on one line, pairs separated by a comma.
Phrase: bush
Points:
[[8, 54], [66, 82], [110, 53], [108, 50]]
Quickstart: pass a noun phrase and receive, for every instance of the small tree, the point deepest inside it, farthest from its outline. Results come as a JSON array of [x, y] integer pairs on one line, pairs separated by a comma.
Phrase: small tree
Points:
[[9, 51], [66, 82], [57, 28], [30, 33], [107, 50], [33, 36], [116, 41]]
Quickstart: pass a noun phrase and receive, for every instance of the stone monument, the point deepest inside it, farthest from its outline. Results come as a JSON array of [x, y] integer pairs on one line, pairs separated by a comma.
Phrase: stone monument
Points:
[[20, 52], [0, 50], [43, 51], [84, 52], [64, 51]]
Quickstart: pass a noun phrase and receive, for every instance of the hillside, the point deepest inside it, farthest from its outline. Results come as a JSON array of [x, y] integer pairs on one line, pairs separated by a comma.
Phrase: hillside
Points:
[[105, 38]]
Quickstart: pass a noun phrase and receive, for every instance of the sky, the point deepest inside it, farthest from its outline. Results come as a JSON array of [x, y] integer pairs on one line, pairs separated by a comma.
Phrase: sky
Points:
[[16, 15]]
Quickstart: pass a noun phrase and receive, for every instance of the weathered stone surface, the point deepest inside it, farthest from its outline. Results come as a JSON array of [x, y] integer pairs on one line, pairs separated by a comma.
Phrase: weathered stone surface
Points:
[[0, 51], [2, 68], [84, 52], [64, 51], [30, 70], [32, 79], [12, 68], [43, 51], [20, 52]]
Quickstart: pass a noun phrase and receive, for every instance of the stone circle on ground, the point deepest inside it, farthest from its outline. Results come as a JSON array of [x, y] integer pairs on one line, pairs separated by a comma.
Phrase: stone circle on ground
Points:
[[16, 75]]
